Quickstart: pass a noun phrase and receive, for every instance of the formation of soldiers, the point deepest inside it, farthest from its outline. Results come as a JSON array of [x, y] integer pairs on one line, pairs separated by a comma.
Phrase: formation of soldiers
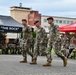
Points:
[[40, 46], [7, 47]]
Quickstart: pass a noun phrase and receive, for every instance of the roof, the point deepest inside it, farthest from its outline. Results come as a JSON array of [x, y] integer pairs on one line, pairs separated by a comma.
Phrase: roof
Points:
[[58, 17], [9, 21], [21, 7]]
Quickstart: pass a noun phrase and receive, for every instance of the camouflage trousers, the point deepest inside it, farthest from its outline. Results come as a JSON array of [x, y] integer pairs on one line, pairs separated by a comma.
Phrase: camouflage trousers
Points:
[[38, 49], [57, 48], [25, 48]]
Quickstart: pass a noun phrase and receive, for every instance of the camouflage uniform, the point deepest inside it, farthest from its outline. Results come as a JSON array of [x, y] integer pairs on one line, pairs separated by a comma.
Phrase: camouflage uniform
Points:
[[38, 45], [3, 44], [27, 36], [64, 41], [45, 40], [72, 44], [65, 45], [44, 45], [32, 45], [54, 41]]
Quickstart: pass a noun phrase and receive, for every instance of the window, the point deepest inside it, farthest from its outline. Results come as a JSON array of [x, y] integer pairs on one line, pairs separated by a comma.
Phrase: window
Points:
[[68, 22], [60, 21], [71, 22], [45, 20], [64, 22], [56, 21]]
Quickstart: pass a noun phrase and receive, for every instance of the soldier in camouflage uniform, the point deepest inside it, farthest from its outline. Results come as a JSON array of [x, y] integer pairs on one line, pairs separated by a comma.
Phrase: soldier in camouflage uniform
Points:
[[54, 41], [3, 44], [64, 44], [38, 42], [27, 36]]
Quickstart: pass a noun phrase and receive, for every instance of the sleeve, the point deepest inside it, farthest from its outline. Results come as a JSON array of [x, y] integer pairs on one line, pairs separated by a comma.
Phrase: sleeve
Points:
[[30, 32], [29, 29], [57, 38], [57, 30], [43, 34]]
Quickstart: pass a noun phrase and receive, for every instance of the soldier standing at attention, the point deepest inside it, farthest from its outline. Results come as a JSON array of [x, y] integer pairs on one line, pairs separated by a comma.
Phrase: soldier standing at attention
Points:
[[54, 41], [27, 36], [39, 40]]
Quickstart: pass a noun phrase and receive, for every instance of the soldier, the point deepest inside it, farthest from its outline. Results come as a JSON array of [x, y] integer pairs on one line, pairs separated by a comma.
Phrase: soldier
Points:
[[72, 44], [3, 42], [64, 44], [55, 41], [39, 40], [27, 36]]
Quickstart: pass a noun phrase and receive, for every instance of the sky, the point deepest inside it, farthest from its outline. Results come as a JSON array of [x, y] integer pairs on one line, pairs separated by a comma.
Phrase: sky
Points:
[[61, 8]]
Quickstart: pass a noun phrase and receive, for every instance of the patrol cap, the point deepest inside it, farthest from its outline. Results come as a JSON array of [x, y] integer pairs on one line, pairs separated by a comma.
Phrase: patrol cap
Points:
[[36, 22], [50, 18], [24, 20]]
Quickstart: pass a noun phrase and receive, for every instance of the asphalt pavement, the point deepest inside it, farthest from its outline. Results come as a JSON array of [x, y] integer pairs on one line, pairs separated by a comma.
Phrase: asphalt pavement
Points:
[[10, 65]]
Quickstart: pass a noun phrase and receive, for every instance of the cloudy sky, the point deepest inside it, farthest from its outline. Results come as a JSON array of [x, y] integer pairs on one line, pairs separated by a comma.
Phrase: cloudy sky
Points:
[[62, 8]]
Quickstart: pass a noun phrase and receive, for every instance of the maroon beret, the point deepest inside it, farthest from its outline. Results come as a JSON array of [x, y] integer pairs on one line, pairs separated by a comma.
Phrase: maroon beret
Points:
[[36, 22], [50, 18], [24, 20]]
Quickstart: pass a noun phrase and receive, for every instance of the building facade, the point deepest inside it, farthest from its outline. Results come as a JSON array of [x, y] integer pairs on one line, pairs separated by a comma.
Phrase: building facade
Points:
[[61, 21], [18, 13], [33, 16]]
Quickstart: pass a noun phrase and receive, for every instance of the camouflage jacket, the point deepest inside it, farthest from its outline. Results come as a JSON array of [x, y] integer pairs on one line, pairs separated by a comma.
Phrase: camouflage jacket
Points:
[[40, 33], [53, 32], [64, 40], [27, 33]]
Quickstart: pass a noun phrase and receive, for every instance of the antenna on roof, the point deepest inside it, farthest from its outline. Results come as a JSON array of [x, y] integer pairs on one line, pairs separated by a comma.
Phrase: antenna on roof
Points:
[[20, 4]]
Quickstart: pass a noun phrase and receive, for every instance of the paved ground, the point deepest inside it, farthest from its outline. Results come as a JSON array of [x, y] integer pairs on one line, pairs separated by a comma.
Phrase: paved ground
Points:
[[9, 65]]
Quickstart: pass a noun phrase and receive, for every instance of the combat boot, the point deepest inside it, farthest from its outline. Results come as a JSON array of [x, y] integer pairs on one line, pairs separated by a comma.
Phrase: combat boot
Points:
[[23, 61], [47, 64], [64, 61], [33, 62]]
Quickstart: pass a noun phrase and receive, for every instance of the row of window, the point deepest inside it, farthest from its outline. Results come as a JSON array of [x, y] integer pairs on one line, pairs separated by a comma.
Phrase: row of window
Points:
[[61, 21]]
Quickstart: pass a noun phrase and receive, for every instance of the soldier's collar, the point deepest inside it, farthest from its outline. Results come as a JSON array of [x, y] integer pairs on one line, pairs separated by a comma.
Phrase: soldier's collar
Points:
[[25, 25], [52, 24], [39, 27]]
